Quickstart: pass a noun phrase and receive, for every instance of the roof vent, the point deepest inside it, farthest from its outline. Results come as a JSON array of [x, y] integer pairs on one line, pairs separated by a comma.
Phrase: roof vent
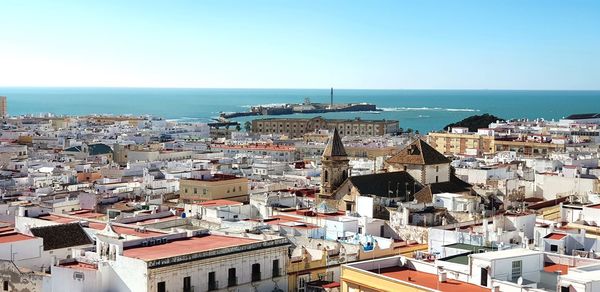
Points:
[[442, 276]]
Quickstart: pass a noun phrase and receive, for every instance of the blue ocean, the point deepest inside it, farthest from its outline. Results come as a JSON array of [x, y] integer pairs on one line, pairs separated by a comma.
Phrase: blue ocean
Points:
[[423, 110]]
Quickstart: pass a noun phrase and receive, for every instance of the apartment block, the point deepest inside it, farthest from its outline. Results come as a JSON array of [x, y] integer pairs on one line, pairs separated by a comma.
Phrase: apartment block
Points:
[[297, 128]]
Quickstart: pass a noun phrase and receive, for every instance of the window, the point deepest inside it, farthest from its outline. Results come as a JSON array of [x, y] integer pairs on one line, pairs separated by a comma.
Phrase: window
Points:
[[554, 247], [302, 281], [195, 190], [255, 272], [212, 282], [5, 285], [516, 269], [161, 287], [276, 272], [187, 284], [232, 278]]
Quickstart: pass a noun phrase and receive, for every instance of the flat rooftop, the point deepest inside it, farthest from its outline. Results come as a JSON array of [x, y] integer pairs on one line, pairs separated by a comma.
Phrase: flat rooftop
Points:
[[86, 214], [9, 237], [57, 219], [218, 203], [552, 267], [131, 230], [79, 266], [470, 247], [555, 236], [157, 220], [256, 147], [509, 253], [185, 246], [215, 177], [428, 280]]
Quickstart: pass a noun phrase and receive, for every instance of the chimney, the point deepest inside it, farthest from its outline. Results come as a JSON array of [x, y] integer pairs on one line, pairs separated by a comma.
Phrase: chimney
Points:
[[442, 276]]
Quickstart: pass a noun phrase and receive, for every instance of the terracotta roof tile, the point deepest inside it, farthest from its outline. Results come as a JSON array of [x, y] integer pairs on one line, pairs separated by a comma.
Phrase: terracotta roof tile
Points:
[[418, 152]]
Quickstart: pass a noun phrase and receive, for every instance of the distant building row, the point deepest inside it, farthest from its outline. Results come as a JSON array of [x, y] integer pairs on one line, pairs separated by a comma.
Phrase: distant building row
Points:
[[296, 128]]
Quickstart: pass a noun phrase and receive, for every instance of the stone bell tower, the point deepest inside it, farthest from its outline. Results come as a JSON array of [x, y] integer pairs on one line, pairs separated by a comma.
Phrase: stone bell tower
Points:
[[335, 165]]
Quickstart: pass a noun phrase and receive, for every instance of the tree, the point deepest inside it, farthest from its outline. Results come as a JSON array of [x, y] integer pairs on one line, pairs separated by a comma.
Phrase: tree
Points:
[[238, 127], [475, 122], [248, 126], [409, 130]]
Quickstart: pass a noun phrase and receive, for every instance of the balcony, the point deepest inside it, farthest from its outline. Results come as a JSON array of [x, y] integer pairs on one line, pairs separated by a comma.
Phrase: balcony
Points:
[[232, 281], [212, 286], [256, 277]]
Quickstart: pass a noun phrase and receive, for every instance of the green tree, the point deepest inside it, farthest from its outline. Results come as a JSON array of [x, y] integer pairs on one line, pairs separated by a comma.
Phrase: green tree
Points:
[[238, 127], [248, 126]]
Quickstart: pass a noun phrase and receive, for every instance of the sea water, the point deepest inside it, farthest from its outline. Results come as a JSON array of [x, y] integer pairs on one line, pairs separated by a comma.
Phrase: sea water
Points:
[[423, 110]]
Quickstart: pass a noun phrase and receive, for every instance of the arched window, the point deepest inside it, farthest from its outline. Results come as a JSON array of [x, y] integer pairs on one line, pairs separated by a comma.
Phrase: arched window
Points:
[[326, 176]]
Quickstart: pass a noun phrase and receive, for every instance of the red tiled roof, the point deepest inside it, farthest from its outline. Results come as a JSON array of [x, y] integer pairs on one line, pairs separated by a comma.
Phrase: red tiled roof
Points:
[[331, 285], [552, 267], [218, 203], [14, 237], [555, 236], [57, 219], [156, 220], [84, 213], [255, 147], [429, 280], [126, 230], [79, 266], [185, 246]]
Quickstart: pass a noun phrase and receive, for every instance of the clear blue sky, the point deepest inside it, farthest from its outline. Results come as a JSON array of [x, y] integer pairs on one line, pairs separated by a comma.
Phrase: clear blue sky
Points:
[[476, 44]]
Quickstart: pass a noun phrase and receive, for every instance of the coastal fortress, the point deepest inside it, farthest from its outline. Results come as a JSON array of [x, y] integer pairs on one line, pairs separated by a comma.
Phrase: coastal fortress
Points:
[[307, 107]]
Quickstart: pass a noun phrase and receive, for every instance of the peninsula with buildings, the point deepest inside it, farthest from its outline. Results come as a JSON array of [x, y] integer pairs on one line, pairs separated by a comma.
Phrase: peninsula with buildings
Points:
[[307, 107], [139, 203]]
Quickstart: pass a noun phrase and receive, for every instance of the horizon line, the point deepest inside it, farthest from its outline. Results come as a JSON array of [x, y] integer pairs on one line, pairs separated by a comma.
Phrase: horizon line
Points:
[[294, 88]]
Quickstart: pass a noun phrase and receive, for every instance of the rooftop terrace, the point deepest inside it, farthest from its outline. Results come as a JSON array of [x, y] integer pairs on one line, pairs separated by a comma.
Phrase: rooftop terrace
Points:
[[427, 280]]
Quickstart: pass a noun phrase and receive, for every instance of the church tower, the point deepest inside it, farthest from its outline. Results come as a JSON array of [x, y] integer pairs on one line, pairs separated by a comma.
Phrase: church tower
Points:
[[335, 165]]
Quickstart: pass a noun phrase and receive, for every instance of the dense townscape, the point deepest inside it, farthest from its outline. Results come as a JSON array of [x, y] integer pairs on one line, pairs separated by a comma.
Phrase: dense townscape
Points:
[[140, 203]]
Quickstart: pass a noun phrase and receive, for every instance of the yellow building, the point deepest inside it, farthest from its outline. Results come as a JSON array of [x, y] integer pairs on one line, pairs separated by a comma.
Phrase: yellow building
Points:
[[527, 148], [214, 187], [297, 128], [459, 143], [401, 274], [466, 143], [308, 267]]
